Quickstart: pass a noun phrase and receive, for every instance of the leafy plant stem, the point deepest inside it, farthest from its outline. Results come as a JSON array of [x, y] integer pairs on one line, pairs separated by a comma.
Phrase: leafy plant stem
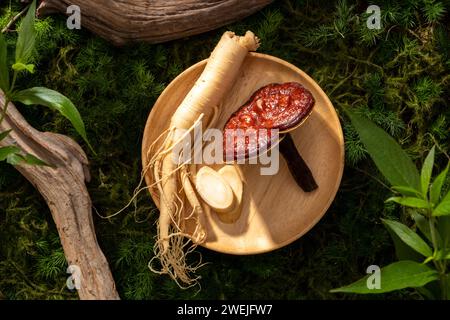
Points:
[[440, 266], [433, 233], [445, 293], [7, 99], [13, 83], [444, 286]]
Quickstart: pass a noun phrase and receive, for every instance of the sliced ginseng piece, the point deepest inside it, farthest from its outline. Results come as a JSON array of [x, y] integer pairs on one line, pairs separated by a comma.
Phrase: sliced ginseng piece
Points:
[[214, 190], [282, 106], [231, 175]]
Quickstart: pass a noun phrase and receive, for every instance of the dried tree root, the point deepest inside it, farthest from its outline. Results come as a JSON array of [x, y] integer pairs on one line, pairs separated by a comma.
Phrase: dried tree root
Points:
[[154, 21], [63, 188]]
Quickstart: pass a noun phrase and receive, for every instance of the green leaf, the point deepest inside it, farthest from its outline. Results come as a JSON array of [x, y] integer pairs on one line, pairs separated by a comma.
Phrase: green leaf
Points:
[[436, 187], [443, 208], [402, 250], [410, 202], [428, 260], [396, 276], [4, 70], [33, 160], [6, 151], [4, 134], [422, 224], [14, 159], [27, 36], [409, 237], [55, 101], [12, 156], [442, 255], [407, 191], [390, 159], [19, 66], [427, 170]]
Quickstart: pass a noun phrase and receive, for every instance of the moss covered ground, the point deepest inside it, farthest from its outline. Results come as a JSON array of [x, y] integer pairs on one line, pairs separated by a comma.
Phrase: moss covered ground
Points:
[[397, 76]]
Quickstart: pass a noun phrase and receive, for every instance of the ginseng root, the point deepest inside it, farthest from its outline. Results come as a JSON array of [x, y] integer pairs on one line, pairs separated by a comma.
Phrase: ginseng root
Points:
[[171, 176]]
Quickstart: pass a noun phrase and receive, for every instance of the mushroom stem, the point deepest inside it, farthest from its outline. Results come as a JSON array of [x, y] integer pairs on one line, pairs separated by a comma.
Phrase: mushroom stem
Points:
[[297, 166]]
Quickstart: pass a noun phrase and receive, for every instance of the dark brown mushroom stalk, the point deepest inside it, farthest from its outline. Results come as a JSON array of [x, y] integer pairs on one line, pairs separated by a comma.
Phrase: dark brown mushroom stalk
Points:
[[297, 166], [284, 107]]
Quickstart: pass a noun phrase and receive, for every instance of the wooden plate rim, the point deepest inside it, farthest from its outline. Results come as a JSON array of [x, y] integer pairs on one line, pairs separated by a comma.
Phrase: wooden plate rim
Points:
[[340, 142]]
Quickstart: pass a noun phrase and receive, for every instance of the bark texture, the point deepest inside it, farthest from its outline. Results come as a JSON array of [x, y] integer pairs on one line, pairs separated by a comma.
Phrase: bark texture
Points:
[[63, 188]]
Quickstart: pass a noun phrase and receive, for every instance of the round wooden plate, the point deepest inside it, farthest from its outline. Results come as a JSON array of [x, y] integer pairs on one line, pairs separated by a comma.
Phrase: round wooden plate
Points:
[[275, 210]]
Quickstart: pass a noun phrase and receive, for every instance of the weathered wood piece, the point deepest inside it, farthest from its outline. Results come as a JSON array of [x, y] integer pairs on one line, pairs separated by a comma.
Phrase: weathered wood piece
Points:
[[63, 188], [154, 21]]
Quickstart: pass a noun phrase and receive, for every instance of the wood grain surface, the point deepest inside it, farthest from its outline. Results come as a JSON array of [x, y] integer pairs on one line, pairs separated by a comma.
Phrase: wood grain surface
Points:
[[125, 21], [63, 187]]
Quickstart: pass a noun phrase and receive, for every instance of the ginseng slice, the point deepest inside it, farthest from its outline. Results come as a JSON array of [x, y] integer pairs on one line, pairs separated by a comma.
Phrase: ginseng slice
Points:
[[231, 175], [214, 190]]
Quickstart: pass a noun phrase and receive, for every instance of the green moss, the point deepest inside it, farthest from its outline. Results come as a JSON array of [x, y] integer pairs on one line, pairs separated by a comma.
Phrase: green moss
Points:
[[397, 76]]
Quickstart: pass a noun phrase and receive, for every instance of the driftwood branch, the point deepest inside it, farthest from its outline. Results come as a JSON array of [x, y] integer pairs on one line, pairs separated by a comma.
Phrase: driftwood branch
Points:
[[63, 188], [154, 21]]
